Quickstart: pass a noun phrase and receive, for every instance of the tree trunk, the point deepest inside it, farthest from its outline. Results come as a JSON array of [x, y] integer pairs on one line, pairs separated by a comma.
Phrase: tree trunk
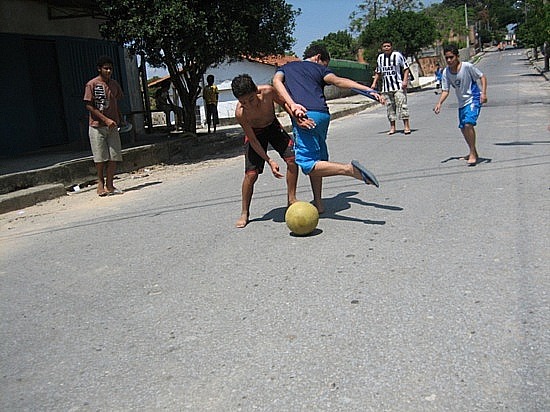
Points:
[[420, 71], [546, 57], [188, 99]]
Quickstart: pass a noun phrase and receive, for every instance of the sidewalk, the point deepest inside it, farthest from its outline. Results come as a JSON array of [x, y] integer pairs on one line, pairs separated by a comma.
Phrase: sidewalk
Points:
[[31, 179]]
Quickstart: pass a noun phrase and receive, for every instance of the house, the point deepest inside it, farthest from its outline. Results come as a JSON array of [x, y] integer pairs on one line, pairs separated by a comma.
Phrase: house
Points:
[[49, 52]]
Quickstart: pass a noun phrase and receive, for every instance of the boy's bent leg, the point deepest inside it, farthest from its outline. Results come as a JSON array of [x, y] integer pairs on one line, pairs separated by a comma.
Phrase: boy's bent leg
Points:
[[325, 169], [247, 192], [291, 180]]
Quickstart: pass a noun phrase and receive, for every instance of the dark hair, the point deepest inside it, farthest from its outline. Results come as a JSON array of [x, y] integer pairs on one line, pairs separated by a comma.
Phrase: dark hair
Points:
[[387, 41], [243, 85], [451, 48], [104, 60], [210, 79], [314, 50]]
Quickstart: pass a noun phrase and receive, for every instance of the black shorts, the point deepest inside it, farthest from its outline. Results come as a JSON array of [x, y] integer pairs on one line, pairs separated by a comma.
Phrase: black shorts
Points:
[[275, 135], [212, 114]]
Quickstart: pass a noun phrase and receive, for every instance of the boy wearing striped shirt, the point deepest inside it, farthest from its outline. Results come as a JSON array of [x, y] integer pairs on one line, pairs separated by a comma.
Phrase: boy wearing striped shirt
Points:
[[393, 69]]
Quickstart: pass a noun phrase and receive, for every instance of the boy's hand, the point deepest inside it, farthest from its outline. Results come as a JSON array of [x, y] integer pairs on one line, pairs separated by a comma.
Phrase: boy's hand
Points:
[[275, 169], [298, 110], [111, 124], [379, 97], [305, 123]]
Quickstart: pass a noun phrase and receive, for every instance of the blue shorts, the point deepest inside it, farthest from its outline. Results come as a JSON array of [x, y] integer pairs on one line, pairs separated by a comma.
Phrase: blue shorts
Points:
[[468, 114], [310, 145]]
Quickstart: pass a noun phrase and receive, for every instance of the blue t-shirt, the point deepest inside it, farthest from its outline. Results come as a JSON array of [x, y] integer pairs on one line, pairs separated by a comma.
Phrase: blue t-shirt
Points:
[[305, 83]]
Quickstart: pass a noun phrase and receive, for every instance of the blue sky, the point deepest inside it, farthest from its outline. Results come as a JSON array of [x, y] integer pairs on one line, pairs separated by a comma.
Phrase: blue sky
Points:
[[320, 17]]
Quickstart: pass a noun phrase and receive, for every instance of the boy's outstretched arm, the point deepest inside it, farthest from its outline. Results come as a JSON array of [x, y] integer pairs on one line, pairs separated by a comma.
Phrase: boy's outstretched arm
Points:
[[345, 83]]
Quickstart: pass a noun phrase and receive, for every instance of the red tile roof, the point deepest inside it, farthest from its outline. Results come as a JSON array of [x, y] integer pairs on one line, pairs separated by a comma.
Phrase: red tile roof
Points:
[[276, 61]]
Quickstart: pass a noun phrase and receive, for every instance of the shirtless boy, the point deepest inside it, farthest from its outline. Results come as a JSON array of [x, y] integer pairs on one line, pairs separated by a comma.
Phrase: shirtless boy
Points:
[[255, 112]]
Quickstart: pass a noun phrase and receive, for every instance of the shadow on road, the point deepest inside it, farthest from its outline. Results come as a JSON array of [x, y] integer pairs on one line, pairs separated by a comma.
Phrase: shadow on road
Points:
[[333, 206], [479, 159], [526, 143]]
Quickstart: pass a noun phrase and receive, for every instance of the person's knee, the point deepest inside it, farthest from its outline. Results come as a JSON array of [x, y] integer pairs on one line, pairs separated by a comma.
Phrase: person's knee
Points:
[[290, 162], [251, 176]]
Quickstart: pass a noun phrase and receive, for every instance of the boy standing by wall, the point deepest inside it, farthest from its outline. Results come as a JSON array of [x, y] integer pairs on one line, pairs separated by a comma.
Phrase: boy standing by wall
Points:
[[101, 97]]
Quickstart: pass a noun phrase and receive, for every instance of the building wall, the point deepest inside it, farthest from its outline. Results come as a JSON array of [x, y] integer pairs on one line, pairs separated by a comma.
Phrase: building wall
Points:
[[223, 75], [42, 77], [31, 17]]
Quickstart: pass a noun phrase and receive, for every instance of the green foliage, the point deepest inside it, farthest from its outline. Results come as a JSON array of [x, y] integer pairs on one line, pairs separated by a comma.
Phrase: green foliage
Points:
[[188, 36], [370, 10], [535, 30], [409, 32], [340, 45], [447, 19], [489, 17]]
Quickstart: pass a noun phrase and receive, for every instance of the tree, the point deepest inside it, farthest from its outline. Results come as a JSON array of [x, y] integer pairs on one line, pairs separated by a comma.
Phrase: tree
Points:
[[447, 19], [340, 45], [489, 17], [370, 10], [188, 36], [535, 30], [408, 31]]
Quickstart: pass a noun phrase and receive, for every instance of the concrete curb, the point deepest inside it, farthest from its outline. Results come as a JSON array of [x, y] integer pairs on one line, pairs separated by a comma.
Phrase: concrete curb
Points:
[[31, 196]]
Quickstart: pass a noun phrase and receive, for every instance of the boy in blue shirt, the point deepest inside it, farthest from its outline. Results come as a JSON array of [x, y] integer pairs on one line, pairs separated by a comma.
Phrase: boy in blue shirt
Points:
[[301, 84]]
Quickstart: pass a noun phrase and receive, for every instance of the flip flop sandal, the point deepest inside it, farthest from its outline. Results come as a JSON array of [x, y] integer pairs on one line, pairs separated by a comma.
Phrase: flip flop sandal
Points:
[[367, 176]]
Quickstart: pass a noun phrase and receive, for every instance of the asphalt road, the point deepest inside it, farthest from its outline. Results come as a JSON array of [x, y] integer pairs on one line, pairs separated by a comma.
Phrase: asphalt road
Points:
[[428, 294]]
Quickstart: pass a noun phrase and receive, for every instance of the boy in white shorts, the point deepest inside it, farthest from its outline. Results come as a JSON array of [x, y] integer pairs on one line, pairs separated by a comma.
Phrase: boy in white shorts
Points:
[[101, 97]]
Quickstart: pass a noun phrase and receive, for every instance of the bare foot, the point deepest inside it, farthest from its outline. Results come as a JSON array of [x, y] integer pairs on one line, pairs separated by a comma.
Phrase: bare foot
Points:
[[101, 191], [472, 160], [319, 206], [114, 191], [467, 157], [392, 131], [242, 222]]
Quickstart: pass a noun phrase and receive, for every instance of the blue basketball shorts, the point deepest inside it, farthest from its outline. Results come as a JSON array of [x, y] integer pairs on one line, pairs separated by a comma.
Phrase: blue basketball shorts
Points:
[[310, 145], [468, 114]]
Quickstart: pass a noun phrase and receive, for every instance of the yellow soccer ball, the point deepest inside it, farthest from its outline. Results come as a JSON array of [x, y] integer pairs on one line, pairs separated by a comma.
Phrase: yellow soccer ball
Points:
[[302, 218]]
